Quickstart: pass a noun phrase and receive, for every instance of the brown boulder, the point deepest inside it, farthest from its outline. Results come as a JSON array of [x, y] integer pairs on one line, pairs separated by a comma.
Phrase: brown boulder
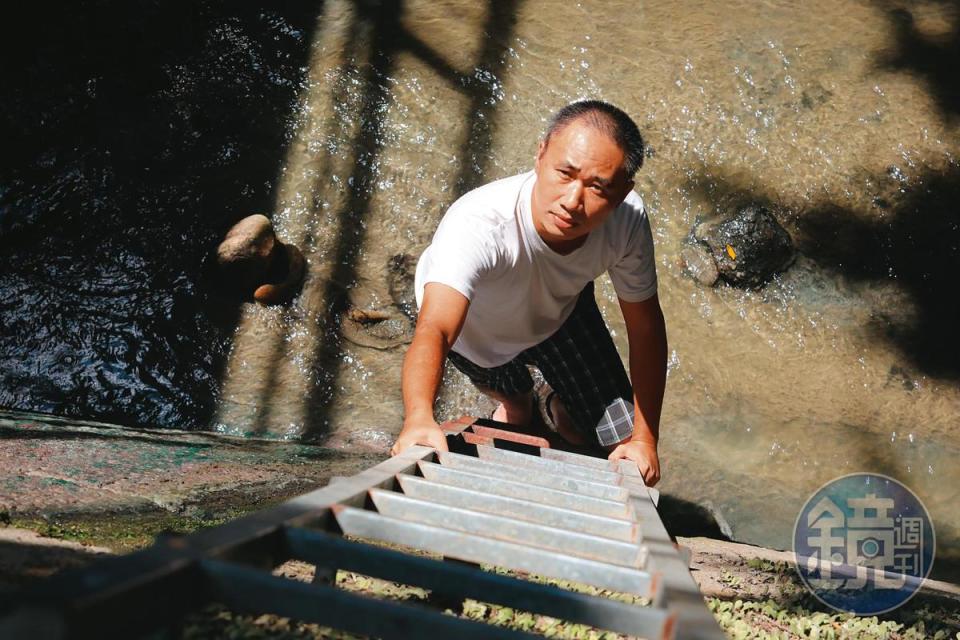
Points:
[[245, 256]]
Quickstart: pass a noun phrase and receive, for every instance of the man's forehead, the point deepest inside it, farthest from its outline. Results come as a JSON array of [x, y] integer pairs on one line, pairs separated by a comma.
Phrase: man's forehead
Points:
[[578, 146]]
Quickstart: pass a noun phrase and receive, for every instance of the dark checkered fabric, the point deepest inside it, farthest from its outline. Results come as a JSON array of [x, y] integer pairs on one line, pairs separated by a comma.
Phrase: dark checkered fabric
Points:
[[581, 364]]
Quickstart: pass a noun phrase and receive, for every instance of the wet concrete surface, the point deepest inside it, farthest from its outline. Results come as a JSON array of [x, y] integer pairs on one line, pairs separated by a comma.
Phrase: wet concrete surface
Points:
[[54, 470]]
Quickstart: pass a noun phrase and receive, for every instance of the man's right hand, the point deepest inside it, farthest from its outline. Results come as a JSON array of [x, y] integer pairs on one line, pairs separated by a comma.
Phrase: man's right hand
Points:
[[425, 432]]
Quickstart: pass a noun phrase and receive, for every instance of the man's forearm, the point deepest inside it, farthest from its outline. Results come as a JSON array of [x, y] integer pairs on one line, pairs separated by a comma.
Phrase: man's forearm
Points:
[[648, 375], [422, 372]]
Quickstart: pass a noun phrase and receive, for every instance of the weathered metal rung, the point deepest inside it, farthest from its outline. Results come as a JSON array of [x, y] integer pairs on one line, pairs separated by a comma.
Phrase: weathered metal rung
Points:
[[493, 433], [603, 526], [457, 580], [257, 592], [401, 507], [539, 478], [473, 548], [578, 459], [505, 456], [511, 488]]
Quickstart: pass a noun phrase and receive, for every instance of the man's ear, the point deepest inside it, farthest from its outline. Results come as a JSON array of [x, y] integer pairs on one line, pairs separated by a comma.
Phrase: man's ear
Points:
[[626, 189], [541, 149]]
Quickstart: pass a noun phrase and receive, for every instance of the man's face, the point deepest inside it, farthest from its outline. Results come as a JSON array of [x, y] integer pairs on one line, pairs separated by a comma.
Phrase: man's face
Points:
[[580, 181]]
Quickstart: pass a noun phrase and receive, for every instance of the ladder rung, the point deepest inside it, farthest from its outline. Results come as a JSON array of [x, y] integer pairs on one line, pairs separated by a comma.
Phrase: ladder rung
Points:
[[614, 528], [473, 548], [513, 489], [458, 580], [505, 456], [578, 459], [532, 476], [257, 592], [401, 507]]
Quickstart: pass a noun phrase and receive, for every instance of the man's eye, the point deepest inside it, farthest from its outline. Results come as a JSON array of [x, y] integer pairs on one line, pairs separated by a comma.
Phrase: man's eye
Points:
[[597, 188]]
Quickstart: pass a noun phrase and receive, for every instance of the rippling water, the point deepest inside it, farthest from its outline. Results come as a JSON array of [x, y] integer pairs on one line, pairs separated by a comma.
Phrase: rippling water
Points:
[[354, 124]]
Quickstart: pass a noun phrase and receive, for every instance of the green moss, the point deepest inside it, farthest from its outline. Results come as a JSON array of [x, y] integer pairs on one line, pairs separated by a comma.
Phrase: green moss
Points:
[[121, 533], [770, 619], [218, 622]]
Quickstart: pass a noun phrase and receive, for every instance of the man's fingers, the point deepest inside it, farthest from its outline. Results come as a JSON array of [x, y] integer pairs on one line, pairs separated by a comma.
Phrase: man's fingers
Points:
[[649, 471], [438, 441], [651, 478], [617, 453]]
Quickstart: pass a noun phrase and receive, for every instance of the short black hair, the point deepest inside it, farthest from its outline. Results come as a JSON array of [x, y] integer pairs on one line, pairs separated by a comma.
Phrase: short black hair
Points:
[[607, 119]]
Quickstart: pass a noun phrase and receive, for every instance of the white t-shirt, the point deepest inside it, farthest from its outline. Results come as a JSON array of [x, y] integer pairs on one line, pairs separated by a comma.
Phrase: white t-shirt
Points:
[[521, 290]]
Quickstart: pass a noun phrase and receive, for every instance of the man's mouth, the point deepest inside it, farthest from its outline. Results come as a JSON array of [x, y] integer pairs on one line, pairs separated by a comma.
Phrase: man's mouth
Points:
[[563, 222]]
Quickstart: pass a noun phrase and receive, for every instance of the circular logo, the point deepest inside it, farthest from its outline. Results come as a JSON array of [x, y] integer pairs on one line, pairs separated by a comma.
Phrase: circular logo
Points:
[[863, 543]]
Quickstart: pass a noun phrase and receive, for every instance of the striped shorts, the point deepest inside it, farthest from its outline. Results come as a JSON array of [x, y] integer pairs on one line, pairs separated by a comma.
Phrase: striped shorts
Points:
[[581, 364]]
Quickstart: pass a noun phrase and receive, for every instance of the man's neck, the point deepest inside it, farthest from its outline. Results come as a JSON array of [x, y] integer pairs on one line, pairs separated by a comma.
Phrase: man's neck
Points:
[[564, 247]]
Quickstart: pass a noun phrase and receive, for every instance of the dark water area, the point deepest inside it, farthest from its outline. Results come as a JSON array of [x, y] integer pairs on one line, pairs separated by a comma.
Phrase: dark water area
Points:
[[134, 134]]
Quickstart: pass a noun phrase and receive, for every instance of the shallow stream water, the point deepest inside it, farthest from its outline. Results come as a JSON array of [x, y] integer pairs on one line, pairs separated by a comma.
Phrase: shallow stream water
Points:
[[355, 124]]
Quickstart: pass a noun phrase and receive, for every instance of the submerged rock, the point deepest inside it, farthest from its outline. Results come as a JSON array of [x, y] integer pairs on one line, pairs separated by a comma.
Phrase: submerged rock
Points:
[[253, 261], [367, 316], [384, 328], [699, 264], [746, 249], [368, 322]]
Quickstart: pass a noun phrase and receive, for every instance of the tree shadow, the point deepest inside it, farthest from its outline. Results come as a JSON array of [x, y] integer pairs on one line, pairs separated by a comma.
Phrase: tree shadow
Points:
[[933, 57], [387, 37], [134, 135], [911, 241]]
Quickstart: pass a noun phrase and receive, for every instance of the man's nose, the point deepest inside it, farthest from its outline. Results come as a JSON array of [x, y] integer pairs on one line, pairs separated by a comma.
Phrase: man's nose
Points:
[[573, 196]]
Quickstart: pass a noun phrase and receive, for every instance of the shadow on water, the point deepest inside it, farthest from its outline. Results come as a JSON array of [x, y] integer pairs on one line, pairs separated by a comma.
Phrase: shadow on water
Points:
[[388, 37], [911, 238], [933, 57], [905, 242], [912, 241], [377, 22], [134, 135]]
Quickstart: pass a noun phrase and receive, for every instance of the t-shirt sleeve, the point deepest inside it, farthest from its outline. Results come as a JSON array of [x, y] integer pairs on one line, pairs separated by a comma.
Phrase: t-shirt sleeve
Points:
[[459, 256], [634, 275]]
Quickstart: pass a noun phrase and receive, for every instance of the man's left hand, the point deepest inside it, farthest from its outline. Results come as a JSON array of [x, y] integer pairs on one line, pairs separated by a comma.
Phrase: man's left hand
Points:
[[644, 454]]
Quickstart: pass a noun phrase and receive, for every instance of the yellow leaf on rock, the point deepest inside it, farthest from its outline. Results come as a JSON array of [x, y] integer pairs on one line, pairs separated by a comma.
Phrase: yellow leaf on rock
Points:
[[731, 252]]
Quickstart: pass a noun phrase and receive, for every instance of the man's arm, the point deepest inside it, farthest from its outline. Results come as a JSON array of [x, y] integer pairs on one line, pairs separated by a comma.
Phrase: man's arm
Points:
[[441, 318], [647, 336]]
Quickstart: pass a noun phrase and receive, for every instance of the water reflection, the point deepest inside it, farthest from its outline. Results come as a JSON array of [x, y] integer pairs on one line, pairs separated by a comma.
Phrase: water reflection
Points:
[[133, 136]]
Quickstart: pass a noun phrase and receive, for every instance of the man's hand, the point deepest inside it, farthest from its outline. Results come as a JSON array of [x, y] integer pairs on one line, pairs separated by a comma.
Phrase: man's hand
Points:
[[644, 454], [425, 432]]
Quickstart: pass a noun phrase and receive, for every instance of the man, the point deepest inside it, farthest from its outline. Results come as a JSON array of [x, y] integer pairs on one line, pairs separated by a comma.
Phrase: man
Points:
[[508, 282]]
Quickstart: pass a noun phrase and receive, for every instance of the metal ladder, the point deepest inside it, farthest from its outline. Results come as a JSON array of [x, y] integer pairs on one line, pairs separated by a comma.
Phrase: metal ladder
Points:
[[506, 500]]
